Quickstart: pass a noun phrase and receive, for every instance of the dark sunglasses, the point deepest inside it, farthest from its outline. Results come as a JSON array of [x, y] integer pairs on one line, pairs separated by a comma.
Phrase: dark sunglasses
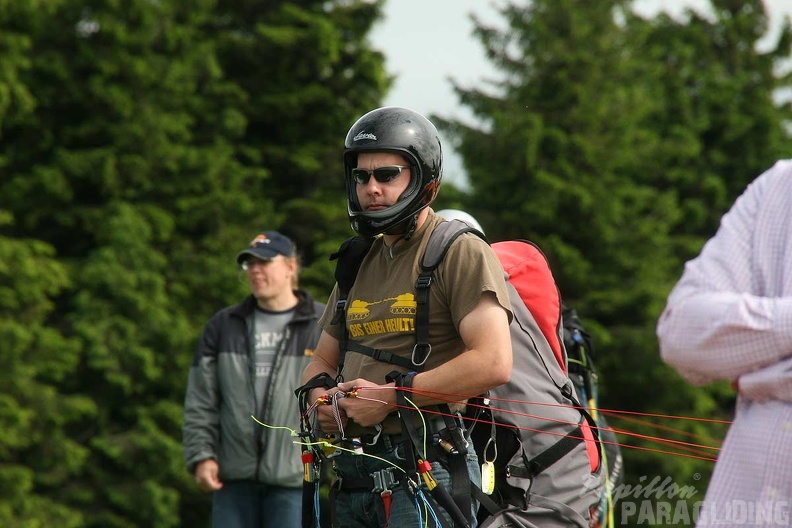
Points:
[[381, 174]]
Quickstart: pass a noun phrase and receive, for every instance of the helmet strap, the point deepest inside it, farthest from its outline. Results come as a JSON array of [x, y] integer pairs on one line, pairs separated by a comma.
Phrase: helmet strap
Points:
[[410, 231]]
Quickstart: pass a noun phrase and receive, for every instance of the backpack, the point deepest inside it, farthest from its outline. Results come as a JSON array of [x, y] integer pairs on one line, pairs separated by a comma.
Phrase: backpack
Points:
[[537, 445]]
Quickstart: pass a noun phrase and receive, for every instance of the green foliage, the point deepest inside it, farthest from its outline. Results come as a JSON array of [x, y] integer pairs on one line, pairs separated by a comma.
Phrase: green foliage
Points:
[[142, 145], [719, 97], [35, 446]]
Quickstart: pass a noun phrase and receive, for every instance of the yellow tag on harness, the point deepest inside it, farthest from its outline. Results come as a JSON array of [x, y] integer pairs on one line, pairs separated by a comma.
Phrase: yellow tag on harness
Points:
[[488, 477]]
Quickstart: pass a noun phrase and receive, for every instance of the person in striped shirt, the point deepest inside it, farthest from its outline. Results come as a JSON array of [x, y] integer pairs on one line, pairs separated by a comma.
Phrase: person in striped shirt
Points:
[[730, 318]]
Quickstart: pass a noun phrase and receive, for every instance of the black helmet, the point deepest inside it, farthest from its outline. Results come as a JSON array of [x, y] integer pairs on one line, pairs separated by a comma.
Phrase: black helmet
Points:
[[405, 132]]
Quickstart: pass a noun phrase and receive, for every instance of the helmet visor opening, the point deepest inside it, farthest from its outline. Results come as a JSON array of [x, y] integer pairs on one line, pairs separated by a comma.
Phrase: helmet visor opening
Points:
[[385, 174]]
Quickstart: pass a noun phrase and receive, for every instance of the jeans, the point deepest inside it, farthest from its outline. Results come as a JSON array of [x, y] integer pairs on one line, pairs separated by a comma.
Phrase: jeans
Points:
[[247, 504], [364, 509]]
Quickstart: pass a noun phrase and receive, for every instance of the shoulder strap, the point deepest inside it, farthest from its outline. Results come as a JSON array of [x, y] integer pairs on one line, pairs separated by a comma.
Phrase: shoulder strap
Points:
[[441, 239], [348, 259], [439, 243], [350, 256]]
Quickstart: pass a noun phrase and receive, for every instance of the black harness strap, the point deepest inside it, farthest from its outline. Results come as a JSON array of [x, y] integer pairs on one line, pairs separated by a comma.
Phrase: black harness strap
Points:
[[549, 456], [322, 379], [409, 423], [557, 451], [379, 354], [439, 243], [350, 256]]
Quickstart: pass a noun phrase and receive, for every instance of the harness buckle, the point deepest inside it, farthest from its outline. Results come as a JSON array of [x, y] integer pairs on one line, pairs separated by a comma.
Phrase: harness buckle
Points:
[[384, 480], [339, 311], [423, 282]]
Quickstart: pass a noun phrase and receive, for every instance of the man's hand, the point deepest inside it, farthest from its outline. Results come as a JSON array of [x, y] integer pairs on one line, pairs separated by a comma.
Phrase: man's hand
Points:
[[327, 420], [359, 406], [207, 475]]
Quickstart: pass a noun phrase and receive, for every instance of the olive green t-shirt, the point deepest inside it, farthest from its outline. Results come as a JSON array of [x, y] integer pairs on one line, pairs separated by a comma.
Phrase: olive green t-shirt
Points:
[[381, 304]]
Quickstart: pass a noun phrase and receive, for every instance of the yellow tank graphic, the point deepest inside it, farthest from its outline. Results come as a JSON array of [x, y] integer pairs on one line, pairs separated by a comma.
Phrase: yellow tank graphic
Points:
[[405, 304], [358, 310]]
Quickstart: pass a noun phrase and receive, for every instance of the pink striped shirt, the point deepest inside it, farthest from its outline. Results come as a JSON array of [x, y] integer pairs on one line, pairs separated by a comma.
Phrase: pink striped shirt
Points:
[[730, 318]]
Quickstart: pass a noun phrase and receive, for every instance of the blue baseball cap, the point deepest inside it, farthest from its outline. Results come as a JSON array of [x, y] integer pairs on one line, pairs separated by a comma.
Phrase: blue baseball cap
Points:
[[266, 245]]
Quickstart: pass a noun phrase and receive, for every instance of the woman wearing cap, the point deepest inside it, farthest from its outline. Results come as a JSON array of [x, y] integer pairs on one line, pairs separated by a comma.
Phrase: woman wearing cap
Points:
[[249, 360]]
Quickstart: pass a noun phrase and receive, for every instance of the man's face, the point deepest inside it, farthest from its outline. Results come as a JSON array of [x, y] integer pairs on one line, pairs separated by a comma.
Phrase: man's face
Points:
[[374, 195], [271, 278]]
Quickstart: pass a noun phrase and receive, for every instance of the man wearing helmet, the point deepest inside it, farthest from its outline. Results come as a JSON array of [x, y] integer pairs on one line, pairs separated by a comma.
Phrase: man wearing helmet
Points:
[[393, 169]]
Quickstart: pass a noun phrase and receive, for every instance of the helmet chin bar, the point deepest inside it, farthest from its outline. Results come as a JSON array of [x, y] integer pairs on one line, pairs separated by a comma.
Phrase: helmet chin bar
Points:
[[405, 226]]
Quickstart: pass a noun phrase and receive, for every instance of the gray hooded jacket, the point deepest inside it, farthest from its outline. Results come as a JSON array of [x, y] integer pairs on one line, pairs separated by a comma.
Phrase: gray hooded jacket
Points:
[[221, 398]]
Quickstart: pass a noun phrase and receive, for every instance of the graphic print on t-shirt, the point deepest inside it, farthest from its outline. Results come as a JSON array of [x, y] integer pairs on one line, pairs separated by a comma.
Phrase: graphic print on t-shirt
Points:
[[266, 347], [391, 315], [270, 328]]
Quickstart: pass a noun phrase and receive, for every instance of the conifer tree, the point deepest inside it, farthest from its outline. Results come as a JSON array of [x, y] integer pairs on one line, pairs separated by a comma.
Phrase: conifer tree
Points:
[[142, 144]]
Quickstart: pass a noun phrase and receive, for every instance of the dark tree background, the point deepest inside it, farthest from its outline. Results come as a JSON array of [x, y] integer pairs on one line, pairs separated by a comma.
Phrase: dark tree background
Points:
[[142, 144]]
